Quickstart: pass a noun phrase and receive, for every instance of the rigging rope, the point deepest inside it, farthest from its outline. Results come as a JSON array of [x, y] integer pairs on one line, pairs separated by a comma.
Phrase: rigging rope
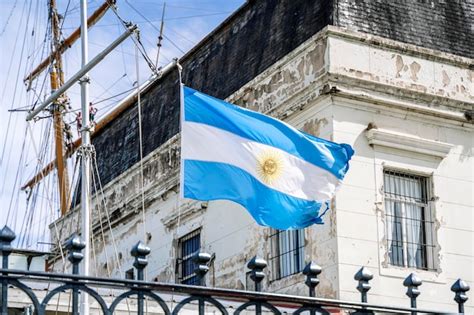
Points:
[[8, 18], [109, 224], [99, 203], [106, 90], [49, 201], [17, 176], [152, 25], [5, 144], [136, 39]]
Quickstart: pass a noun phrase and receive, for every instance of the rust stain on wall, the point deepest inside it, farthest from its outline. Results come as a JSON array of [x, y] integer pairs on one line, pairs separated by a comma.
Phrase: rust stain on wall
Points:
[[398, 65], [414, 69], [313, 126], [446, 79]]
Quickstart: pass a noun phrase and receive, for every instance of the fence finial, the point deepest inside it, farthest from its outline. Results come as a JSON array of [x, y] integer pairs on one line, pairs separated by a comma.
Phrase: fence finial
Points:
[[460, 287], [75, 245], [6, 238], [364, 275], [140, 251], [412, 282], [257, 264], [312, 270], [201, 260]]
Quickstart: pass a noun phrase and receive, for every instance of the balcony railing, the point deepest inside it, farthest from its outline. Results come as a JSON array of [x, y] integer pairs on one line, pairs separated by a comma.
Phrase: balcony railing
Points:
[[109, 296]]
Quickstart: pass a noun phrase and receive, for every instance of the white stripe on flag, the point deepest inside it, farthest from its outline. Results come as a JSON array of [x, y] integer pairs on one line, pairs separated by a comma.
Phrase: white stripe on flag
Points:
[[298, 178]]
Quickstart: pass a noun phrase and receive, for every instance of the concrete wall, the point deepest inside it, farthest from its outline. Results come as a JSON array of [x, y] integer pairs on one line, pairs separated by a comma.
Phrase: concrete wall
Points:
[[416, 102], [333, 86]]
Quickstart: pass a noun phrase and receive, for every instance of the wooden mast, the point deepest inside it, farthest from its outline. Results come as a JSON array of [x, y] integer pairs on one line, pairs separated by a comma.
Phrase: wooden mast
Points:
[[64, 45], [58, 108]]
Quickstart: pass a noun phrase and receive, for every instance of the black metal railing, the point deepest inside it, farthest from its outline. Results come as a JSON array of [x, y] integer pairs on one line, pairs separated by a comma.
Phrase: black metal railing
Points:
[[197, 298]]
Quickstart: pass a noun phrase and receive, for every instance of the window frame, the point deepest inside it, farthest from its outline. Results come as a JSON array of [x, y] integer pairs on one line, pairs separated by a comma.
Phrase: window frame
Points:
[[181, 261], [276, 261], [428, 238]]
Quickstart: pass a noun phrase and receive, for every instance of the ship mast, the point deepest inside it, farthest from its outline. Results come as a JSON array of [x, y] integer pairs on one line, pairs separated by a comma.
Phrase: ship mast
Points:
[[59, 88], [58, 108]]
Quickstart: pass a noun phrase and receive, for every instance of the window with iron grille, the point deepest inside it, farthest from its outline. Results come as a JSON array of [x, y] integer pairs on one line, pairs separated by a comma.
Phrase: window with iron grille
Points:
[[188, 245], [130, 274], [287, 252], [409, 220]]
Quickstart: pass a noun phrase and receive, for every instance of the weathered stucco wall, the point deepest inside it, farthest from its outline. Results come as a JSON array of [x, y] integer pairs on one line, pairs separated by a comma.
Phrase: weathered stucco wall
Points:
[[360, 204], [320, 90]]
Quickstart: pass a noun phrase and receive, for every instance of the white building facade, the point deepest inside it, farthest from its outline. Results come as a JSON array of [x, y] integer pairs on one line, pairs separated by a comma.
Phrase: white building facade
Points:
[[406, 204]]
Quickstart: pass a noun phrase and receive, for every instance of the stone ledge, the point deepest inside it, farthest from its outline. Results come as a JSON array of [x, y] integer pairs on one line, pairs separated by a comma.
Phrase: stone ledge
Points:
[[190, 210], [406, 142]]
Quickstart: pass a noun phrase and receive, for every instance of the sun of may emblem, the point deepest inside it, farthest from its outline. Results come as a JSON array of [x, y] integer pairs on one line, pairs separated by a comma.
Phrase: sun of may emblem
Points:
[[270, 166]]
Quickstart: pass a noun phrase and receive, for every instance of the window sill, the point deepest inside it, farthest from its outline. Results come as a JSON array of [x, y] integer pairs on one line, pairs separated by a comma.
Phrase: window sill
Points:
[[432, 276], [285, 282]]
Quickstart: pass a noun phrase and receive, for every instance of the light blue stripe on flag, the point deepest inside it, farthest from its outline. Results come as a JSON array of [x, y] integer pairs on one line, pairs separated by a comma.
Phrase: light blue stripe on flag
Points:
[[281, 175], [267, 206], [208, 110]]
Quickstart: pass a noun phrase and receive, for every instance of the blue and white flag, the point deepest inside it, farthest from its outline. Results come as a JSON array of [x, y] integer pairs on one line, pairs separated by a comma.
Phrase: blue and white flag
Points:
[[282, 176]]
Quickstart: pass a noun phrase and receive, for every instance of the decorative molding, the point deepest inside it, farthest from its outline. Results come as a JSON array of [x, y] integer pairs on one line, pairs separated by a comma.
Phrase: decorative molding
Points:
[[188, 210], [406, 142]]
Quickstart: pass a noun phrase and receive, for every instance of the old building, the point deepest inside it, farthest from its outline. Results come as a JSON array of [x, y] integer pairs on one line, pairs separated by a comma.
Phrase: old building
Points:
[[393, 79]]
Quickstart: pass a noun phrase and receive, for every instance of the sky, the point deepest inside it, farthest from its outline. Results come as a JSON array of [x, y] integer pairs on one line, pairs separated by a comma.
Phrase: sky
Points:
[[25, 41]]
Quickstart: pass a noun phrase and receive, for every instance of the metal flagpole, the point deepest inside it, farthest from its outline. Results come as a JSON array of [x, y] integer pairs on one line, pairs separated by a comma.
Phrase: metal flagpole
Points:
[[86, 148], [86, 155]]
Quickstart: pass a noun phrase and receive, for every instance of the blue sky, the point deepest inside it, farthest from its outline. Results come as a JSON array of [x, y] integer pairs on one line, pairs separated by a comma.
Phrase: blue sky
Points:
[[23, 44]]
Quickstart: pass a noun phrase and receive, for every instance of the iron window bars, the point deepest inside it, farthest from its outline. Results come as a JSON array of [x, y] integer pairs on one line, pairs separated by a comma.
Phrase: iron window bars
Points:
[[188, 245], [409, 220], [287, 252]]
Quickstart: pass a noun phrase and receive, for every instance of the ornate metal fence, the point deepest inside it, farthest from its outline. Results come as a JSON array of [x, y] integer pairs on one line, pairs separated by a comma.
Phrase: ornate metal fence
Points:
[[198, 299]]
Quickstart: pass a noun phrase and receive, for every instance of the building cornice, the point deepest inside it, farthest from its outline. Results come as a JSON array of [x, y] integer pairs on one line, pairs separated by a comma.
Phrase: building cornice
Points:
[[409, 49], [396, 140]]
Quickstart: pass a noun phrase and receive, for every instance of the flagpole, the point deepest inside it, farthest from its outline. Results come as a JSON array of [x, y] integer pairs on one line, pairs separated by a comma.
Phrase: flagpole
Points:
[[181, 120], [86, 155]]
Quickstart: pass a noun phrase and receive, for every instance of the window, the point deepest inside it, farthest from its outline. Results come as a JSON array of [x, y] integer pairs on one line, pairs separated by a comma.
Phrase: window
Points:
[[409, 220], [129, 274], [188, 245], [287, 252]]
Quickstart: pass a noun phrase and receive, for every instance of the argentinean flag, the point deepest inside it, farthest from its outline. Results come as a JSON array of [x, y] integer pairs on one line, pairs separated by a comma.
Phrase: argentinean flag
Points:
[[281, 175]]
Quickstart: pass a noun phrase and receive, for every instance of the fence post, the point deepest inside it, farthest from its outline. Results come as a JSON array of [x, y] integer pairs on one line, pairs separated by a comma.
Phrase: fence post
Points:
[[412, 282], [460, 287], [140, 251], [256, 265], [364, 275], [6, 238], [201, 260], [75, 245], [312, 270]]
